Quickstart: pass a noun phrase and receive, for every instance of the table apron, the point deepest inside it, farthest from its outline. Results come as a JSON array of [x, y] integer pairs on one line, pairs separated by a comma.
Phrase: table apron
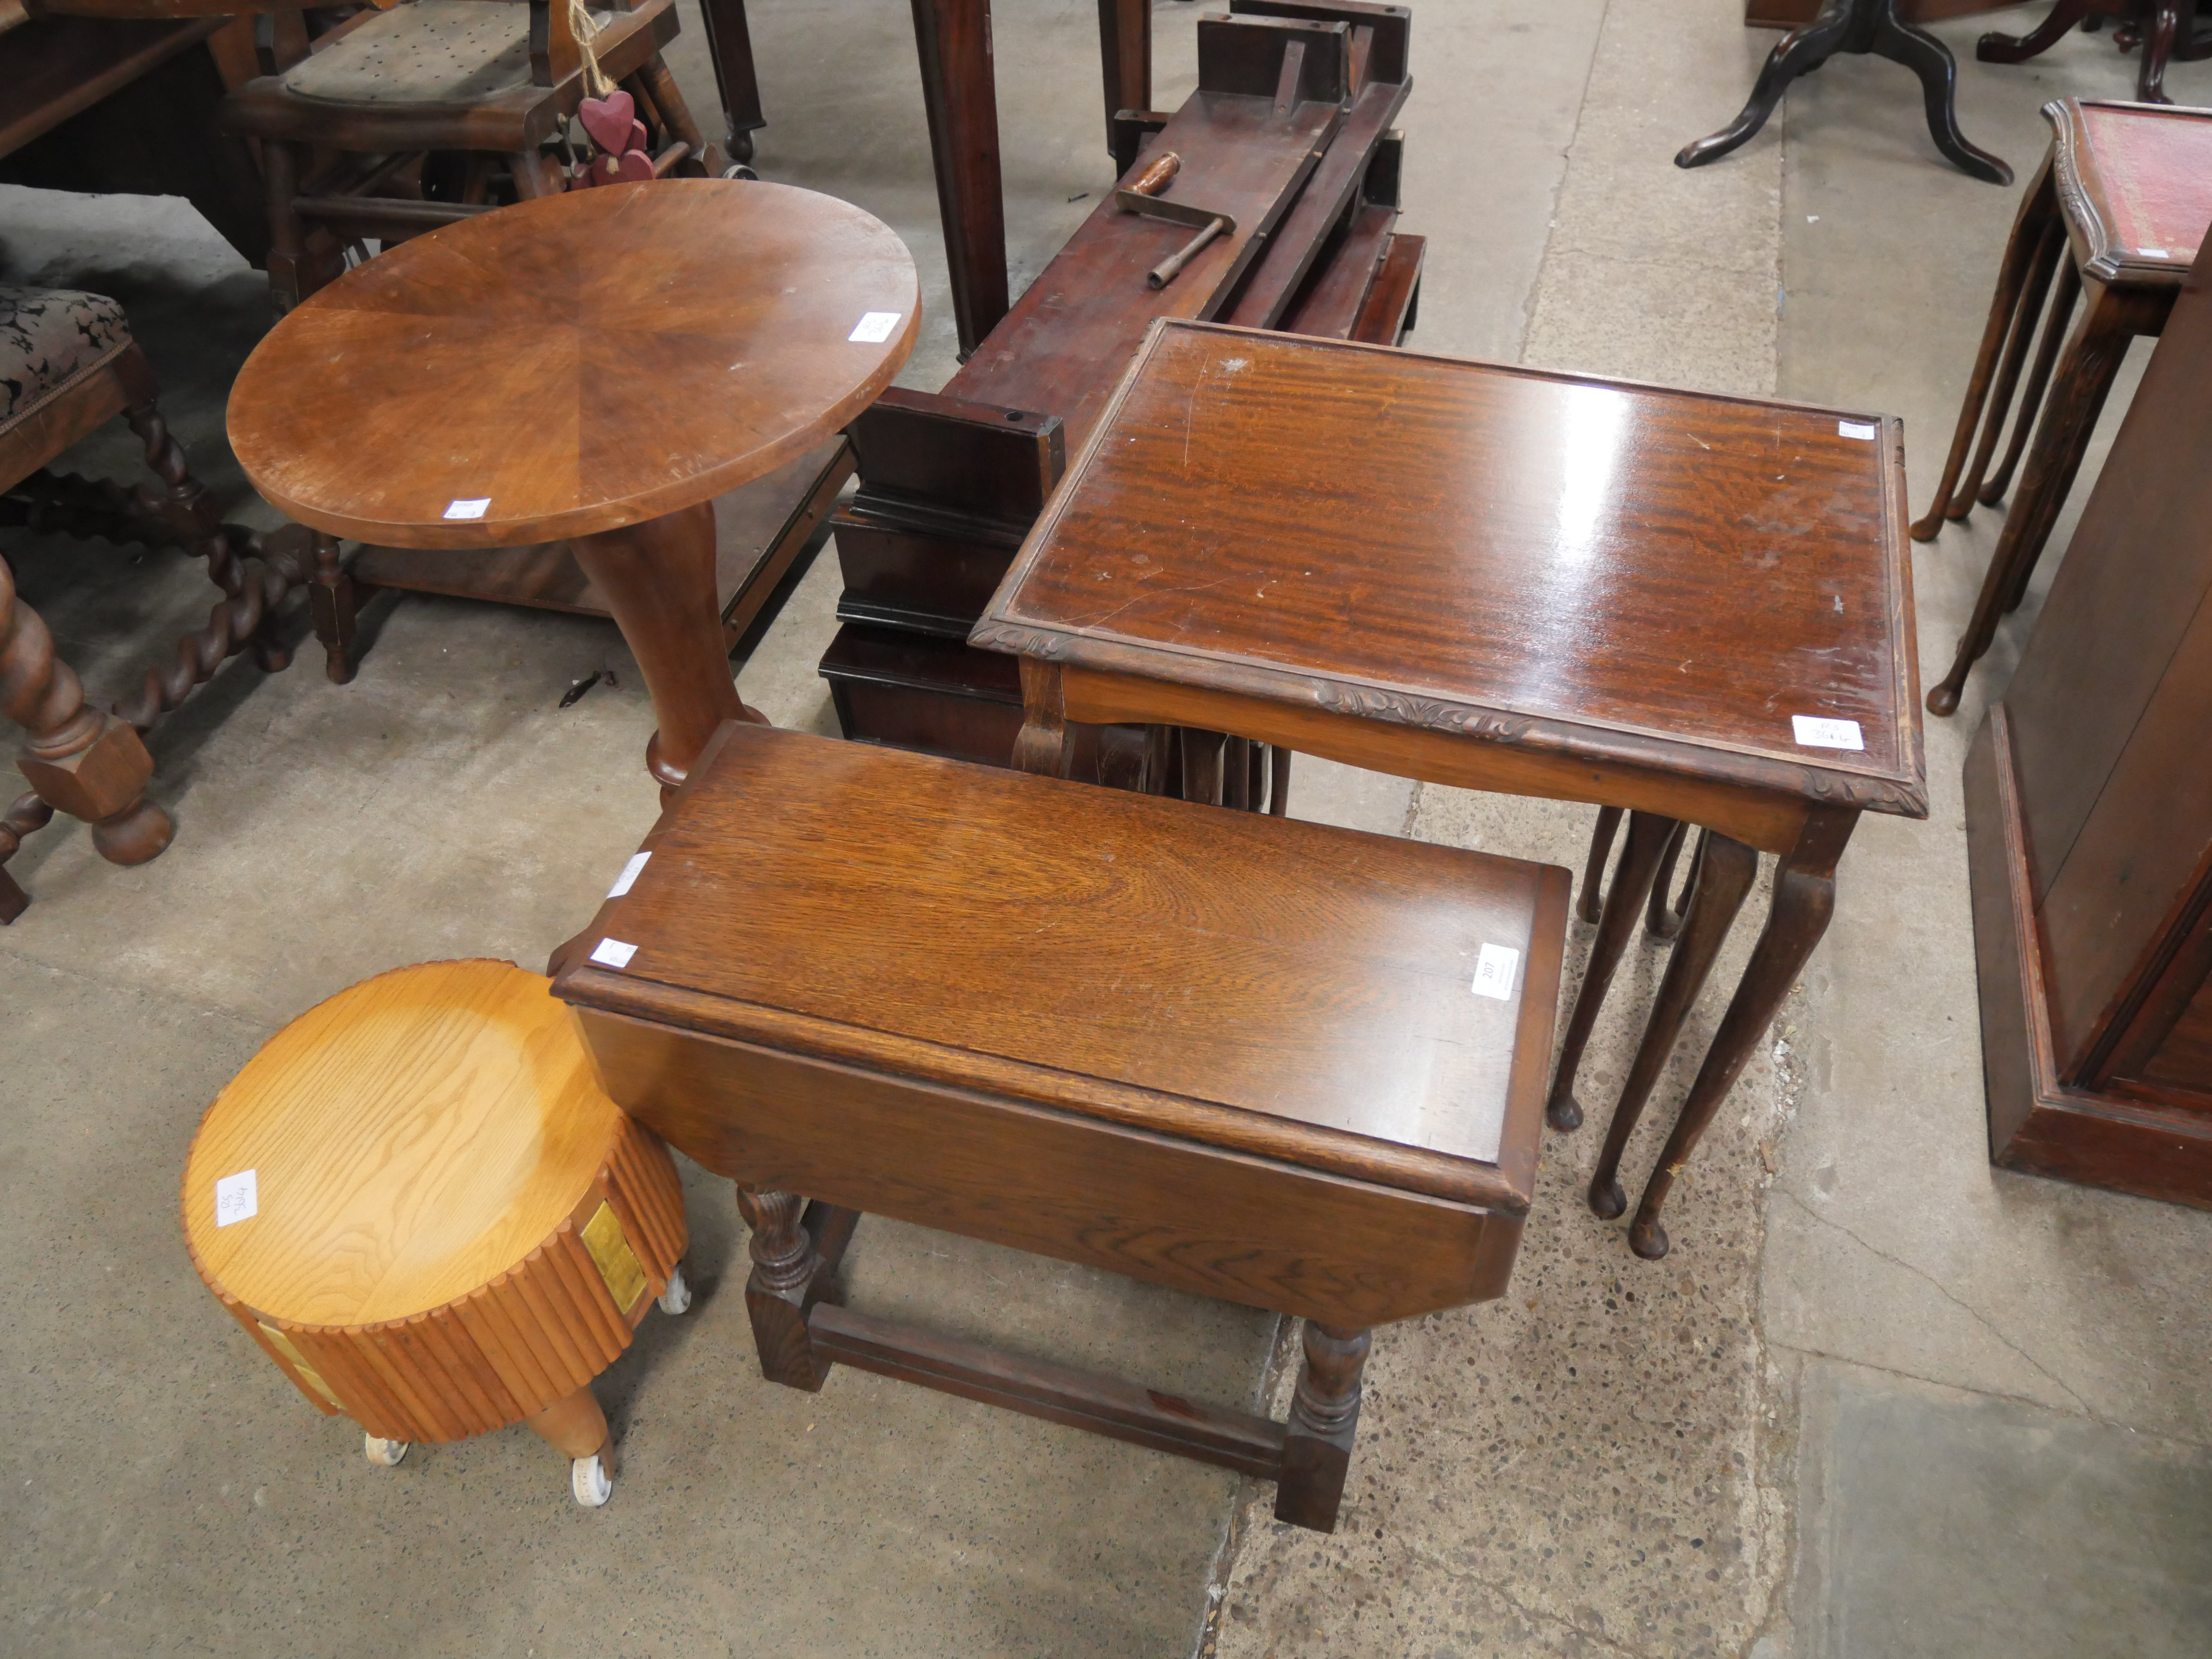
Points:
[[1770, 821]]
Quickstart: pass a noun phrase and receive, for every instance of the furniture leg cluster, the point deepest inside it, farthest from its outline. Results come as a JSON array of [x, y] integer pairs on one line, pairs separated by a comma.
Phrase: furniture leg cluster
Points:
[[2115, 212]]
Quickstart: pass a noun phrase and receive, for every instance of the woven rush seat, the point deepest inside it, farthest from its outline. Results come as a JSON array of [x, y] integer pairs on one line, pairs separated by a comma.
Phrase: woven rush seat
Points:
[[432, 52], [49, 338]]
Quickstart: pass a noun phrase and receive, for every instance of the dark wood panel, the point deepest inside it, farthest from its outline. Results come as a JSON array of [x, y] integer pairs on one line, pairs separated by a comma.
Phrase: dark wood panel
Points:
[[2107, 915], [2135, 581], [1386, 316], [2185, 1059], [936, 697], [1249, 1229]]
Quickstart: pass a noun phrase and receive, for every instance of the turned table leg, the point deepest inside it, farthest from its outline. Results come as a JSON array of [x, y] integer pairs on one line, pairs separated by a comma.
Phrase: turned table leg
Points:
[[1324, 1421], [1804, 899], [658, 578], [1648, 834], [1723, 874], [788, 1278]]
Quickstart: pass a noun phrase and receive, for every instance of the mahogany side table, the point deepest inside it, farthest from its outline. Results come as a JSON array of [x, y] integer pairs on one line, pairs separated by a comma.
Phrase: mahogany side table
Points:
[[596, 366], [1696, 607], [2118, 212]]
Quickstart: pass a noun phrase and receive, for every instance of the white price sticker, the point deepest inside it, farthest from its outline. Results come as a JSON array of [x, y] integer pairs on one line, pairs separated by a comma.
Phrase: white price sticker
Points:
[[1494, 969], [1855, 429], [236, 1199], [875, 328], [629, 875], [1816, 733], [613, 953], [474, 509]]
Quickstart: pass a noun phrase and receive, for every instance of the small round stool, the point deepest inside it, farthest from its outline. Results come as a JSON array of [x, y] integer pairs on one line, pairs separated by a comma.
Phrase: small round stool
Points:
[[419, 1201]]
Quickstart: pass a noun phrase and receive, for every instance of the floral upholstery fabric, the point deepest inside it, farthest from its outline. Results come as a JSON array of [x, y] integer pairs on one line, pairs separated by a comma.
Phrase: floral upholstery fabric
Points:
[[48, 337]]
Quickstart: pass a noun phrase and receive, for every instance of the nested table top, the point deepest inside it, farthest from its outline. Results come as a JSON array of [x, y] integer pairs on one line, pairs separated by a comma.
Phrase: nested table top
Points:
[[574, 364], [2137, 179], [1606, 570], [405, 1141], [1315, 995]]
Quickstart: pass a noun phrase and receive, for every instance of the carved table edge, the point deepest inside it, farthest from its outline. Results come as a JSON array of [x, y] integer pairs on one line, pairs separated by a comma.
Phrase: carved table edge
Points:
[[1903, 795], [2107, 261]]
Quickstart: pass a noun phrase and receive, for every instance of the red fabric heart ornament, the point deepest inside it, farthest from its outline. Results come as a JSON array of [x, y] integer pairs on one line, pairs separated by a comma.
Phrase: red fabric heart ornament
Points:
[[610, 120]]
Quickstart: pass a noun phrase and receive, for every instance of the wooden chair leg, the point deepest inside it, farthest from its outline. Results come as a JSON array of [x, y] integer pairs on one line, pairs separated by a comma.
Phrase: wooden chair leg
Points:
[[1324, 1422], [336, 597], [706, 159], [74, 757], [1278, 781], [27, 816]]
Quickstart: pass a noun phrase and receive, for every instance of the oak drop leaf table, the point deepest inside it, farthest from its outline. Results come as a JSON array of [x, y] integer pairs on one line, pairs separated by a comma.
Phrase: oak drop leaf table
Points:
[[598, 366], [1291, 1067], [1698, 608]]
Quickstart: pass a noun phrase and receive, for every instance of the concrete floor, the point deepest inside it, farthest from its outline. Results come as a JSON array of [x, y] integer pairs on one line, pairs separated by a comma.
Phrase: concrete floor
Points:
[[1880, 1400]]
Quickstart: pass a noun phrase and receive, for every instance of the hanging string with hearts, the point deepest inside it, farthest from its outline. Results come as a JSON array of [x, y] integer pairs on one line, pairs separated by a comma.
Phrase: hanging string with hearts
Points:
[[608, 115]]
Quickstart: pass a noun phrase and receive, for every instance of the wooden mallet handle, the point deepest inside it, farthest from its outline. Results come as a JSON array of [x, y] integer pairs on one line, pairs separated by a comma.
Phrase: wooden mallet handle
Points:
[[1154, 178]]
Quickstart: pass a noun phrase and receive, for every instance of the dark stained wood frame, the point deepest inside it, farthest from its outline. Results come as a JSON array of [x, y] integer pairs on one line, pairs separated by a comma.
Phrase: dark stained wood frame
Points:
[[2038, 1124]]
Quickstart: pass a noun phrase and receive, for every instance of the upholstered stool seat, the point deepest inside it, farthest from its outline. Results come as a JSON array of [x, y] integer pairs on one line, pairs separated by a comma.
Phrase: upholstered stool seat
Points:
[[419, 1202], [48, 338]]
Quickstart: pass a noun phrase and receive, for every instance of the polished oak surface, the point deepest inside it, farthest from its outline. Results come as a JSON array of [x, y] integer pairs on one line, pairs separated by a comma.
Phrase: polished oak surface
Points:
[[582, 362], [1611, 571], [1267, 986], [411, 1138]]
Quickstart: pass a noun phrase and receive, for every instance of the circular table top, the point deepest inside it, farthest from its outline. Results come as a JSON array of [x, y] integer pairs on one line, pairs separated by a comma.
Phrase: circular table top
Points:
[[410, 1138], [575, 363]]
